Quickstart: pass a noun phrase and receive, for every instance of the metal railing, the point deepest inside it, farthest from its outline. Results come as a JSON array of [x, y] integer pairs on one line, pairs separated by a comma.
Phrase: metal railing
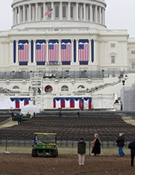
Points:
[[64, 74], [23, 145]]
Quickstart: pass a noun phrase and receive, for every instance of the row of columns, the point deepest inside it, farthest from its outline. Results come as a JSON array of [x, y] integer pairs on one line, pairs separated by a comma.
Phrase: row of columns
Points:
[[47, 42], [36, 12]]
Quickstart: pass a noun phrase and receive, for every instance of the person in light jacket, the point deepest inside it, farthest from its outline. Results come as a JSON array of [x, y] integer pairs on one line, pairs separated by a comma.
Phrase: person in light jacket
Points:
[[81, 151]]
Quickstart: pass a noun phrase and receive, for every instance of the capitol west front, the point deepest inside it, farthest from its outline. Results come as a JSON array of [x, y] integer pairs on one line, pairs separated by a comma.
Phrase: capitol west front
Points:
[[68, 59]]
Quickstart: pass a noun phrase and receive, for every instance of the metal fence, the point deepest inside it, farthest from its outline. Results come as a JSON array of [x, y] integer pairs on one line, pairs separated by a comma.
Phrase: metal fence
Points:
[[23, 145]]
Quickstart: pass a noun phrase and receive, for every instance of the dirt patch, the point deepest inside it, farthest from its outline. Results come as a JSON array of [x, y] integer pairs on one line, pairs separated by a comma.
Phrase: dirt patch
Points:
[[24, 164]]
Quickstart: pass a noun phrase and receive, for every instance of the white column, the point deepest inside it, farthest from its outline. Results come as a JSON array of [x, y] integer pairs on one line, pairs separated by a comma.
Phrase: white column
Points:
[[19, 15], [33, 12], [69, 10], [36, 11], [77, 51], [91, 13], [44, 11], [95, 14], [60, 11], [13, 17], [53, 10], [24, 13], [81, 16], [16, 51], [84, 8], [76, 11], [29, 13], [99, 15], [104, 16]]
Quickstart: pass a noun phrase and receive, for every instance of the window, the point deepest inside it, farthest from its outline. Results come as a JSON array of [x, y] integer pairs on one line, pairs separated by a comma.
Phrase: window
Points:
[[112, 59], [79, 12], [41, 11], [16, 87], [88, 13], [133, 52], [81, 86], [71, 11], [93, 14], [57, 11], [64, 88], [48, 88], [26, 15], [64, 11], [113, 45]]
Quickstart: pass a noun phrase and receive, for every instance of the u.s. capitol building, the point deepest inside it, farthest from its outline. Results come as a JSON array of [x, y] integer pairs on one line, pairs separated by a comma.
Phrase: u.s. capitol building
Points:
[[60, 54]]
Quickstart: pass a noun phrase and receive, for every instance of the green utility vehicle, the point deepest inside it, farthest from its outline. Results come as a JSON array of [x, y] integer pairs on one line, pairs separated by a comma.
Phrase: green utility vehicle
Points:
[[45, 145]]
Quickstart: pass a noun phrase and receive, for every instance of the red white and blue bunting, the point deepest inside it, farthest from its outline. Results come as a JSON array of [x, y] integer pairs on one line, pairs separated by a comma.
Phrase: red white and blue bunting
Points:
[[74, 103], [20, 102]]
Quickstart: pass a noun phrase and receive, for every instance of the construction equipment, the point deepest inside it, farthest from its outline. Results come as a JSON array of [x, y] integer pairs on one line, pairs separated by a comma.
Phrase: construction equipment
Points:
[[45, 145]]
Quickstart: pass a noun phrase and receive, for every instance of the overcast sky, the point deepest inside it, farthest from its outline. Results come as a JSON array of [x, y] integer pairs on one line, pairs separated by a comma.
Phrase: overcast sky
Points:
[[120, 14]]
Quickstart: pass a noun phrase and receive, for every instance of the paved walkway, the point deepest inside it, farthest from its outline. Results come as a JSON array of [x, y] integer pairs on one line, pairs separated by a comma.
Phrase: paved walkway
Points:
[[9, 123], [129, 120]]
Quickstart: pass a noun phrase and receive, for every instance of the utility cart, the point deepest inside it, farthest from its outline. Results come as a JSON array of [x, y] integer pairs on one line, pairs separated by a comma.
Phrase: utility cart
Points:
[[45, 145]]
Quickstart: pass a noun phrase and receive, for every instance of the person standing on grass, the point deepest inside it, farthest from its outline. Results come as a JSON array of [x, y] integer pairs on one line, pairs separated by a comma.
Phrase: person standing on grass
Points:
[[120, 144], [60, 114], [12, 114], [132, 147], [19, 117], [96, 145], [81, 151]]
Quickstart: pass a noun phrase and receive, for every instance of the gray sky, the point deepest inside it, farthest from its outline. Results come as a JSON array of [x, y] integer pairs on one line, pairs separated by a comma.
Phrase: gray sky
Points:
[[120, 14]]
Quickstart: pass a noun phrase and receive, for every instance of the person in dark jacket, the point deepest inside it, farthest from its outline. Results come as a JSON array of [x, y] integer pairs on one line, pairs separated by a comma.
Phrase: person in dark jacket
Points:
[[77, 114], [19, 119], [12, 114], [60, 114], [131, 146], [96, 145], [120, 144], [81, 151]]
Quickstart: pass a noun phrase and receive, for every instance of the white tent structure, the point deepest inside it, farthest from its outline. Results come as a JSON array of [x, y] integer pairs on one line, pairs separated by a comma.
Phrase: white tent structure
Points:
[[30, 109]]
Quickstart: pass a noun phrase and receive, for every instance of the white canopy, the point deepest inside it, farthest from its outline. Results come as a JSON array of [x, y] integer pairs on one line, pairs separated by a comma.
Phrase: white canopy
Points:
[[30, 109]]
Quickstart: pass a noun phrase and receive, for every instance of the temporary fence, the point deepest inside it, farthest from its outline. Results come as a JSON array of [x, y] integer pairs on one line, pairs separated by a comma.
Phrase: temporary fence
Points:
[[23, 145]]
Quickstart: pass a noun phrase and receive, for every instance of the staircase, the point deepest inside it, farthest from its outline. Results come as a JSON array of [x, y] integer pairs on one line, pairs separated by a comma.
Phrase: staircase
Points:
[[36, 86]]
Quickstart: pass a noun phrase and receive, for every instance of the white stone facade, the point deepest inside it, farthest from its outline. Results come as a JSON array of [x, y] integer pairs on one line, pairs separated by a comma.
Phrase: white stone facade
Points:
[[111, 52]]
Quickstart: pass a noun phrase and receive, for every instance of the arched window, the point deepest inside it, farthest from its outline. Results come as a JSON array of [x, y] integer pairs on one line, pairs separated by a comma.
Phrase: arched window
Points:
[[16, 87], [48, 88], [64, 88], [81, 86]]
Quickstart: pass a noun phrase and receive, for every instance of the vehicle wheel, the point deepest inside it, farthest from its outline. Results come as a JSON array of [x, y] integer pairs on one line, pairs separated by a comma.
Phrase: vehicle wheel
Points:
[[54, 153], [34, 153]]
